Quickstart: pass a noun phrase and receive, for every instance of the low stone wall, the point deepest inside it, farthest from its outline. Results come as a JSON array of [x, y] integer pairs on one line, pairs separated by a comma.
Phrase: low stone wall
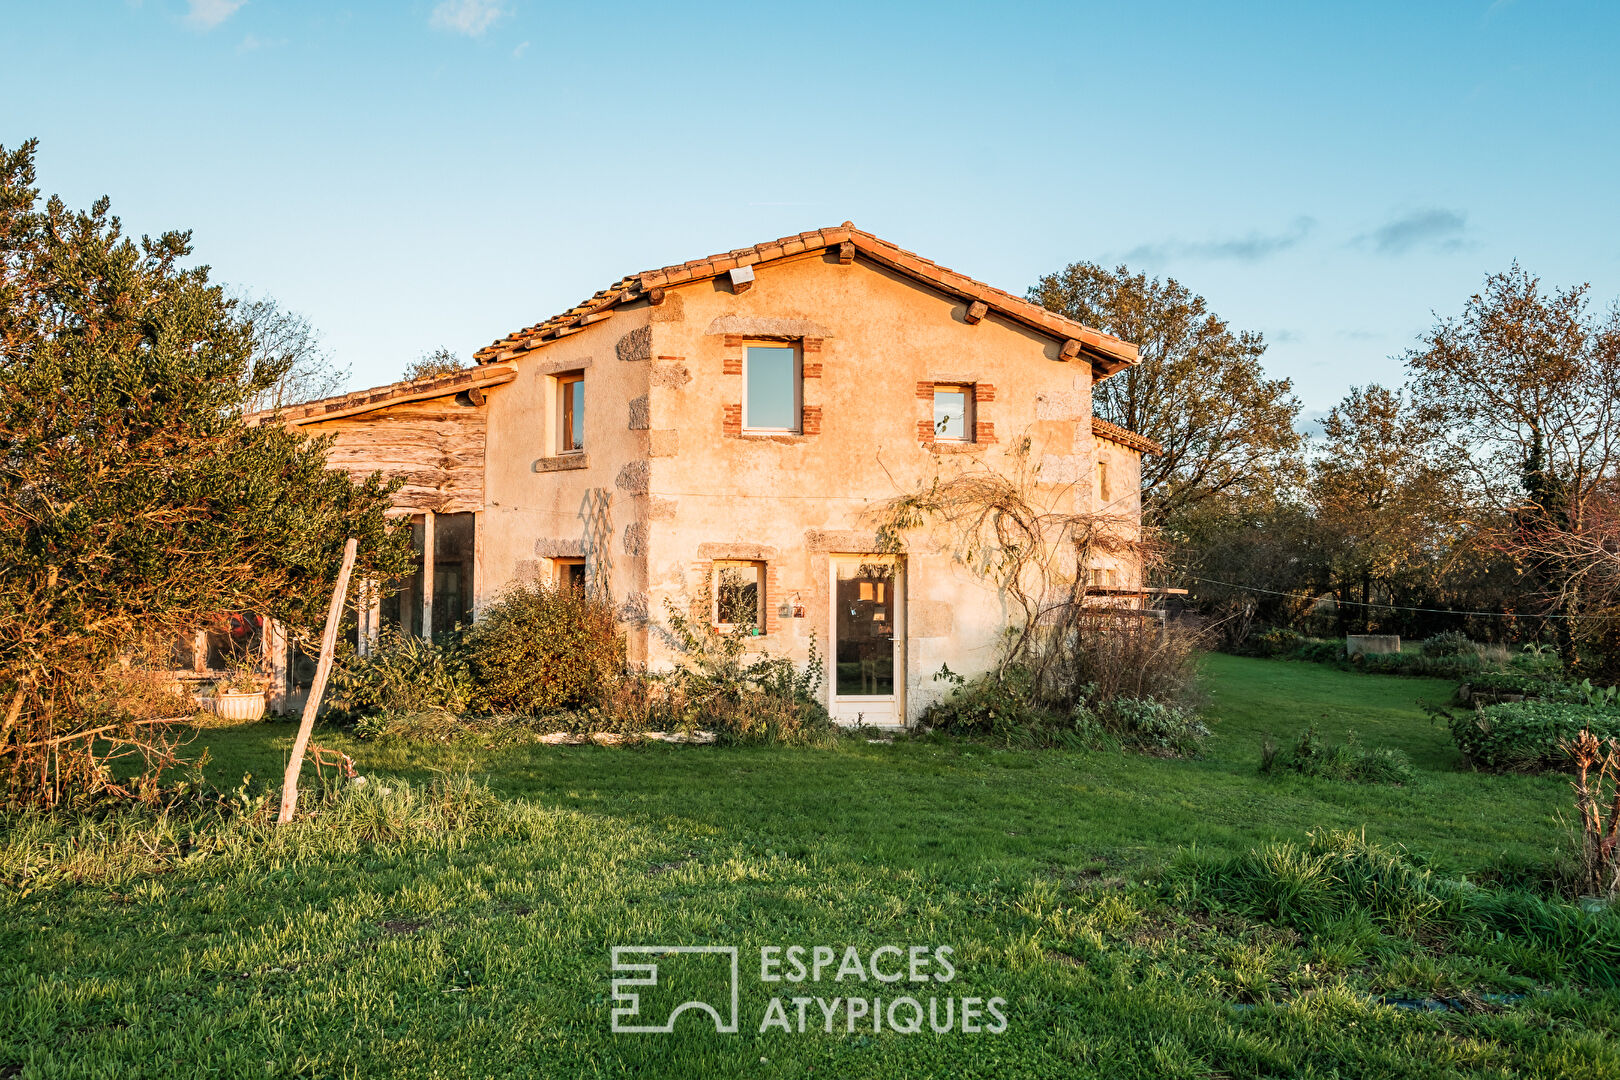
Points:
[[1357, 644]]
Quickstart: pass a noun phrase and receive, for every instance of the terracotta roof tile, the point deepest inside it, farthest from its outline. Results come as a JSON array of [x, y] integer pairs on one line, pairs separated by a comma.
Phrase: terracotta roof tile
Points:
[[1102, 429], [378, 397], [1106, 352]]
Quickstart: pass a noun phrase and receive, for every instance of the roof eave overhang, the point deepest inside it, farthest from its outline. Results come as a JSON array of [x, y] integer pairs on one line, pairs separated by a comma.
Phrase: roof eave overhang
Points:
[[381, 397]]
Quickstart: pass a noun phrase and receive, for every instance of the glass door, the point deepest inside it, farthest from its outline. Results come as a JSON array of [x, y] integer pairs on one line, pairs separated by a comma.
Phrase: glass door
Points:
[[868, 621]]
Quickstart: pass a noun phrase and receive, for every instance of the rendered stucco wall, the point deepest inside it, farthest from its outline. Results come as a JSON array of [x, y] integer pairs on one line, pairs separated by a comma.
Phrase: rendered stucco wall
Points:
[[665, 490]]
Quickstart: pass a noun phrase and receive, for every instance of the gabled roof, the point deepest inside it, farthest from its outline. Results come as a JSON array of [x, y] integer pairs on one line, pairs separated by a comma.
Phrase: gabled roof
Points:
[[1102, 429], [1106, 353], [379, 397]]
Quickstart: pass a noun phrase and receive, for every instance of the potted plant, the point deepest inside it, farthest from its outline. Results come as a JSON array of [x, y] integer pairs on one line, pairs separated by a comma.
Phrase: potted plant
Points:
[[240, 694]]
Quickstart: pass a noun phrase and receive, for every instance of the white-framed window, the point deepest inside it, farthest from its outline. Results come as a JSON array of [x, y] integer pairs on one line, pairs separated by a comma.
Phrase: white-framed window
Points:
[[571, 413], [738, 588], [772, 389], [953, 413]]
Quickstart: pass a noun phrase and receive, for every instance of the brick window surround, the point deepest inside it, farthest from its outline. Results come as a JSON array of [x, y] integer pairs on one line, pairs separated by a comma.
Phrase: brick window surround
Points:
[[984, 428], [734, 357], [770, 603]]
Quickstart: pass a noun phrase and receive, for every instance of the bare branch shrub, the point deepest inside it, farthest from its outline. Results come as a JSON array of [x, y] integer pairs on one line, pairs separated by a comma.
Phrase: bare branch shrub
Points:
[[1597, 804]]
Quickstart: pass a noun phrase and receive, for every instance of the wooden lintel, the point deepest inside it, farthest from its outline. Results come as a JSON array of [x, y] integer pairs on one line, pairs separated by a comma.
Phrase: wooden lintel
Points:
[[975, 311]]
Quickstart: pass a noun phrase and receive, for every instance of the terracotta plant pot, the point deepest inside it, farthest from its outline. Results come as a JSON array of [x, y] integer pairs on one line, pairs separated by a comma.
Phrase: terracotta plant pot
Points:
[[235, 705]]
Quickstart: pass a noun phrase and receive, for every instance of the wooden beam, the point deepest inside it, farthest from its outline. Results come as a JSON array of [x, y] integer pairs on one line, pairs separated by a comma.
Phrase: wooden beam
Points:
[[275, 642], [846, 253], [655, 296], [475, 394], [1070, 350], [975, 311], [312, 704]]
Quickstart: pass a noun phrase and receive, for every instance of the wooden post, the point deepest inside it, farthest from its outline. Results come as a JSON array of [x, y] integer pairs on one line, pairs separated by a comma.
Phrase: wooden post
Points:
[[427, 575], [276, 648], [312, 704]]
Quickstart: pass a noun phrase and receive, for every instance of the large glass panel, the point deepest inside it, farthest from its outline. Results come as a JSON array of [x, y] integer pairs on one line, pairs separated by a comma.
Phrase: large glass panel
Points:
[[950, 414], [773, 392], [573, 415], [402, 608], [452, 572], [739, 590], [865, 630]]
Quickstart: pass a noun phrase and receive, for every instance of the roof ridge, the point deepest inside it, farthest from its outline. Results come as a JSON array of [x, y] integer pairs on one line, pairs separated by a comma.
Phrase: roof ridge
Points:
[[1107, 352]]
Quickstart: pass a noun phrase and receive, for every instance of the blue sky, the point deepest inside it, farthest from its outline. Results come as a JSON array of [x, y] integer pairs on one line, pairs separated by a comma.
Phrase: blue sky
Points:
[[426, 173]]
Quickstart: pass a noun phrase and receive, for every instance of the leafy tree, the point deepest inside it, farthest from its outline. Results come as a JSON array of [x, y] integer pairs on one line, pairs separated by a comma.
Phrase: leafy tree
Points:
[[135, 501], [1199, 390], [1390, 508], [440, 361], [1524, 390]]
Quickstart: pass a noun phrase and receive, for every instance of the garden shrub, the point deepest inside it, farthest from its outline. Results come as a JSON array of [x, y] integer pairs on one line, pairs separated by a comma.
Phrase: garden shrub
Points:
[[1447, 643], [1156, 727], [541, 649], [1320, 651], [1523, 736], [1312, 755], [717, 686], [1544, 687], [402, 673], [1423, 666], [1277, 641], [1001, 707], [1338, 876]]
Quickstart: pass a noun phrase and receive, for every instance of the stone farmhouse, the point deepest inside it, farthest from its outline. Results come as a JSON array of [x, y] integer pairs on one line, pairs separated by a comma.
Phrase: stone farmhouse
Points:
[[721, 432]]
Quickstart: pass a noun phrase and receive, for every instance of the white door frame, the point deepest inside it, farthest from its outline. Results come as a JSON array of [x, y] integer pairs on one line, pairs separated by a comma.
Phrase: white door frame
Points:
[[887, 710]]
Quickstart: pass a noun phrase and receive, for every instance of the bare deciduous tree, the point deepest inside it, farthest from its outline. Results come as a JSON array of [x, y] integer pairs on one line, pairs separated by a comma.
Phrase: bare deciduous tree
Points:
[[284, 341]]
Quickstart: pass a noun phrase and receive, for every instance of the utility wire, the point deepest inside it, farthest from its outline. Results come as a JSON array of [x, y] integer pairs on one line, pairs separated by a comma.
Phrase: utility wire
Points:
[[1391, 607]]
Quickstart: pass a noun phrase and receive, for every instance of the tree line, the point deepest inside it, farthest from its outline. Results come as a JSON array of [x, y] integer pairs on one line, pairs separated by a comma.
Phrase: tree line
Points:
[[1479, 495]]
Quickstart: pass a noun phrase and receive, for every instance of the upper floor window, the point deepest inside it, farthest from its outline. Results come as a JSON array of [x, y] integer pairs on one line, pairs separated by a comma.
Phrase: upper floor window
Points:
[[771, 389], [570, 414], [1104, 495], [953, 413]]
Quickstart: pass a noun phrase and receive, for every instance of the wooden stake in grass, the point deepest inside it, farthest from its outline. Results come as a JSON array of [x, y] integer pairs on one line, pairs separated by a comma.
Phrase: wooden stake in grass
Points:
[[312, 705]]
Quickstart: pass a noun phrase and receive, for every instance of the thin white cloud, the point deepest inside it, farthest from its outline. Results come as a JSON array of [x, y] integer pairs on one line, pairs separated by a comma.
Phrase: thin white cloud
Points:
[[1435, 229], [517, 53], [469, 17], [207, 14], [1251, 247]]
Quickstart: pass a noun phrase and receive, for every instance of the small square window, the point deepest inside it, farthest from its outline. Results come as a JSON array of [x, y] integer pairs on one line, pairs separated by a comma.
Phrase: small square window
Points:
[[570, 414], [739, 596], [568, 573], [771, 389], [953, 414]]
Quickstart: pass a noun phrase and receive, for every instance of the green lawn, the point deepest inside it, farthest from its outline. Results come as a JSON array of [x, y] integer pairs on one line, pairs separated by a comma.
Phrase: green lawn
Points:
[[485, 951]]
